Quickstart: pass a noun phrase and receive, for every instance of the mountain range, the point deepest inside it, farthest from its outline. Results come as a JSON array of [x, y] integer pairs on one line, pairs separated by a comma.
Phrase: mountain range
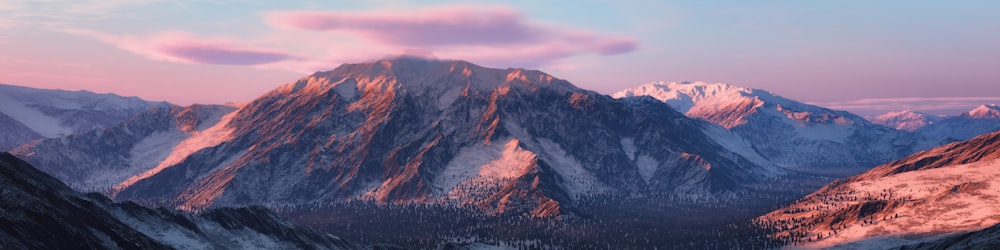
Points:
[[28, 114], [446, 150], [980, 120], [410, 130], [791, 134]]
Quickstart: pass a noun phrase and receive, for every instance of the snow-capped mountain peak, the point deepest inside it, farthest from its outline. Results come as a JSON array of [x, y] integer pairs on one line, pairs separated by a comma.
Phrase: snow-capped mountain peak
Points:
[[980, 120], [442, 81], [784, 130], [986, 111], [907, 120], [683, 95]]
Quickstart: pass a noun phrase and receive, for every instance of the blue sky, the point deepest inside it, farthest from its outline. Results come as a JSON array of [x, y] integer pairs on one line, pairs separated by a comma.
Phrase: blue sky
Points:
[[888, 54]]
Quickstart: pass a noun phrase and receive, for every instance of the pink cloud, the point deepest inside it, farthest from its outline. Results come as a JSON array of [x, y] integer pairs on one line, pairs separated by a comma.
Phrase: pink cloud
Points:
[[218, 54], [186, 48], [309, 41], [457, 25], [933, 105], [446, 28]]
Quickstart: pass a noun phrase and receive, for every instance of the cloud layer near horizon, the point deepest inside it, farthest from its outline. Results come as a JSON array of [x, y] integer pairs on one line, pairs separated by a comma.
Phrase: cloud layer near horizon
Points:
[[308, 41], [932, 105]]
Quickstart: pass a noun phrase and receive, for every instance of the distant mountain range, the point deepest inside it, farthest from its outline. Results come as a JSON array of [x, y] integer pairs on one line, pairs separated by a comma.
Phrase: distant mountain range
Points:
[[791, 134], [28, 114], [980, 120], [906, 120], [947, 190], [39, 212]]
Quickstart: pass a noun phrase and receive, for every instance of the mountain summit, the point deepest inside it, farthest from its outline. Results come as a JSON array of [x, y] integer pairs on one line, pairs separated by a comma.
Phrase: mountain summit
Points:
[[980, 120], [906, 120], [409, 130]]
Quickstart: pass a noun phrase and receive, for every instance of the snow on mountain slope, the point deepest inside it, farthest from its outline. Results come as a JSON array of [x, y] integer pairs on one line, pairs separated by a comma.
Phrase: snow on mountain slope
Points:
[[39, 212], [410, 130], [55, 113], [980, 120], [99, 159], [196, 138], [942, 191], [789, 133], [906, 120]]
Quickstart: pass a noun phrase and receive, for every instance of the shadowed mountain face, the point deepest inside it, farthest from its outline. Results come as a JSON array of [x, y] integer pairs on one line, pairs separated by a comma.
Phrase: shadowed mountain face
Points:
[[411, 130], [40, 212], [28, 114], [942, 191], [789, 133]]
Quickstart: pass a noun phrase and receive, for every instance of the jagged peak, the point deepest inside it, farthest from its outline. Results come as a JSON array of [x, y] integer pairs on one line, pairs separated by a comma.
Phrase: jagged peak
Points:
[[419, 75], [907, 120], [905, 114], [985, 111], [668, 89]]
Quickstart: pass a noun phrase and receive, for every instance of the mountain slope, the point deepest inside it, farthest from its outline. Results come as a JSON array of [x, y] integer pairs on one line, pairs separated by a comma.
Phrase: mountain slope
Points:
[[39, 212], [42, 113], [409, 130], [946, 190], [792, 134], [98, 159], [980, 120], [906, 120]]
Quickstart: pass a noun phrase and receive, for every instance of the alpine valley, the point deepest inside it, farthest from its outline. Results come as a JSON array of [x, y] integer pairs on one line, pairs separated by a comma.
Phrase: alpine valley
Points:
[[425, 153]]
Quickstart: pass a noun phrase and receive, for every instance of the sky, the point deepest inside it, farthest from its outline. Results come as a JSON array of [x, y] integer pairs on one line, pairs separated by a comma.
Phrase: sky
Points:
[[867, 57]]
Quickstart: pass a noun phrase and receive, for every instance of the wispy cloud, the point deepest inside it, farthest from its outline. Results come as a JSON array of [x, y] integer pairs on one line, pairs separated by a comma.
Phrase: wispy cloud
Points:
[[183, 47], [933, 105], [58, 12], [308, 41], [453, 25], [495, 35]]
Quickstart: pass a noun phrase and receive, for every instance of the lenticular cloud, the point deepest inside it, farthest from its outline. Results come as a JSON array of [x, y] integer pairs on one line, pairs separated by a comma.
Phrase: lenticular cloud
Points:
[[494, 34], [430, 27]]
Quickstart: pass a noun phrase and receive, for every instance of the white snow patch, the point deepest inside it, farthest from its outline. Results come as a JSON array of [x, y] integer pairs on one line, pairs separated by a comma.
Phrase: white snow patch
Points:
[[483, 164], [628, 145], [579, 181], [155, 148], [740, 146], [647, 167]]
